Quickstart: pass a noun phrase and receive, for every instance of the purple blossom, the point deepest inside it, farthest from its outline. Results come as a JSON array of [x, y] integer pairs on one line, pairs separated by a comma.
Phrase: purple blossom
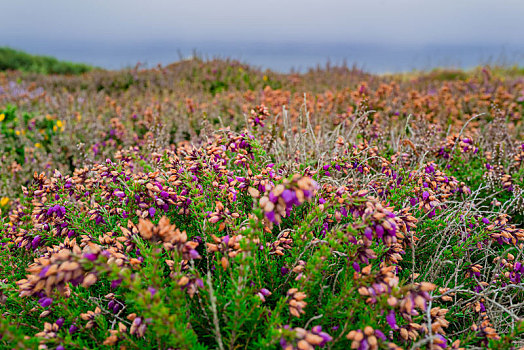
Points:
[[391, 320], [152, 212], [73, 329], [45, 302]]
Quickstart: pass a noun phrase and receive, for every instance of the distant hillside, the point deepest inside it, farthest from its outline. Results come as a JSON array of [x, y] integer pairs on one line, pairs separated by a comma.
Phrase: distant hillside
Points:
[[11, 59]]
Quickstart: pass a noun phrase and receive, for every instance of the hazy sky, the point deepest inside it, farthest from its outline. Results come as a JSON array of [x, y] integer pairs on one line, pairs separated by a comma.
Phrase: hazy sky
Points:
[[369, 21], [379, 35]]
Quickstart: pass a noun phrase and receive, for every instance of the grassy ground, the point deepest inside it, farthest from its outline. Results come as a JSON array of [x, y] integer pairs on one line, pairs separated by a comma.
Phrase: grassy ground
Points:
[[208, 205], [11, 59]]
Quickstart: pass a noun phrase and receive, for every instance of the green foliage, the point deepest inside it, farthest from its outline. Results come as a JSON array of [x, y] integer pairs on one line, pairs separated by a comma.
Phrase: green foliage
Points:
[[11, 59]]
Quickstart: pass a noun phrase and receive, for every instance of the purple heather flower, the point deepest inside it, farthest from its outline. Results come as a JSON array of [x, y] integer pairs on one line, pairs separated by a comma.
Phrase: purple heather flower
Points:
[[284, 271], [271, 215], [368, 233], [441, 341], [379, 230], [193, 254], [425, 195], [288, 196], [119, 194], [482, 307], [60, 322], [73, 329], [391, 320], [36, 241], [60, 347], [379, 334], [44, 271], [430, 169], [152, 212], [265, 292], [90, 256], [116, 283], [45, 302], [485, 220], [116, 308], [356, 266]]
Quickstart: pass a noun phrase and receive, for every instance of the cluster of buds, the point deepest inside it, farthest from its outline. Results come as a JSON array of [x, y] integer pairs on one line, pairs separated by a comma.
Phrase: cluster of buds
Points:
[[518, 159], [229, 246], [417, 298], [138, 325], [281, 244], [299, 269], [497, 174], [503, 232], [90, 317], [485, 329], [411, 331], [263, 181], [222, 214], [258, 115], [438, 318], [512, 271], [114, 305], [115, 335], [296, 302], [169, 235], [263, 293], [433, 187], [281, 199], [304, 339], [190, 283], [382, 223], [368, 338], [57, 270], [50, 331], [384, 281], [464, 144]]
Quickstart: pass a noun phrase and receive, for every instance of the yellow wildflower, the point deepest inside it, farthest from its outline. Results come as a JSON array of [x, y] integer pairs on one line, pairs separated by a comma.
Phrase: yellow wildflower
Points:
[[2, 117], [265, 78], [17, 132], [38, 145], [4, 201], [59, 123], [79, 117], [55, 128]]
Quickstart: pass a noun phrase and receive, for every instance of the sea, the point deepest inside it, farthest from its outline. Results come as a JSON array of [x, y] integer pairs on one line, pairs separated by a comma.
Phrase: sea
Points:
[[283, 56]]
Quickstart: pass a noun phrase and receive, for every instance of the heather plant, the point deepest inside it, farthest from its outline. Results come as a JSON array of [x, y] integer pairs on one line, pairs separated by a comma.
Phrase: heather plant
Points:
[[210, 205]]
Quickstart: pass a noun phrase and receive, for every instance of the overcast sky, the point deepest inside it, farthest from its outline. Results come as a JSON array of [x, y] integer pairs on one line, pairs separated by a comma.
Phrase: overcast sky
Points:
[[369, 21], [112, 32]]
